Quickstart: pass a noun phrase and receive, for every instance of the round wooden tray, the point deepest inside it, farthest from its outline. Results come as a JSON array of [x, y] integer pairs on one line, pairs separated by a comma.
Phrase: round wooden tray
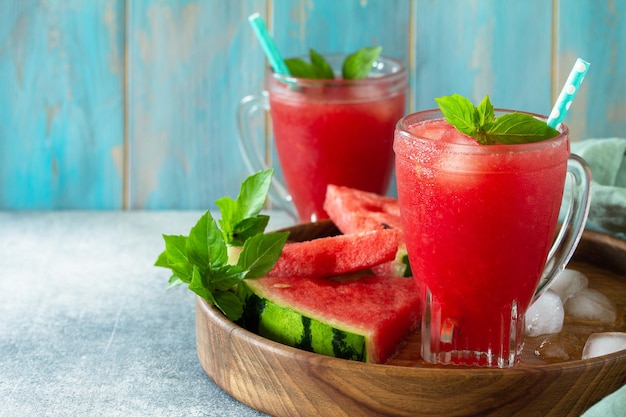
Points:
[[551, 380]]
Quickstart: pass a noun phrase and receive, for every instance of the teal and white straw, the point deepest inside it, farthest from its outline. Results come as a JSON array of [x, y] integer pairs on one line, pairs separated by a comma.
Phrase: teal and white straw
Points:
[[269, 47], [571, 87]]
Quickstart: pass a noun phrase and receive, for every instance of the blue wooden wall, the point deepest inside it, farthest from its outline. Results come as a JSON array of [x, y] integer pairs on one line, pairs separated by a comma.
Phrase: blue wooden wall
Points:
[[130, 104]]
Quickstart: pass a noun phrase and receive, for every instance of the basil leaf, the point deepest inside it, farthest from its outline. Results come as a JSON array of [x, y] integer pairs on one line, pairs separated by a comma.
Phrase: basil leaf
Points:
[[359, 64]]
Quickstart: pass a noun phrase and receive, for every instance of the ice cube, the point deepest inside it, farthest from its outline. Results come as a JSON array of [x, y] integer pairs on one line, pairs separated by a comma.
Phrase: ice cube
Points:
[[599, 344], [545, 316], [552, 349], [590, 304], [567, 283]]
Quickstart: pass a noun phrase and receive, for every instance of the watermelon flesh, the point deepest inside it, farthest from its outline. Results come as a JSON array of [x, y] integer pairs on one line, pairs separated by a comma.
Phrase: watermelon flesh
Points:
[[398, 267], [337, 255], [356, 211], [364, 319]]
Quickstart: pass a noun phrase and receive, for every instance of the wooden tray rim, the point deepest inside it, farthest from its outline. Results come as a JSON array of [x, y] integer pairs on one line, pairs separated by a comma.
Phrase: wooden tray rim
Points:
[[588, 236], [278, 398]]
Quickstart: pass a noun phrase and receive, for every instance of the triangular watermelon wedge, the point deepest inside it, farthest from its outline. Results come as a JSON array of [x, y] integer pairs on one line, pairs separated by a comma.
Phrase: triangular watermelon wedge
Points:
[[365, 319], [337, 255], [356, 211]]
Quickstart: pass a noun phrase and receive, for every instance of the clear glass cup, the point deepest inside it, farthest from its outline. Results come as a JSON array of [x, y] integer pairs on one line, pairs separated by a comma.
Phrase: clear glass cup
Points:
[[480, 224], [326, 132]]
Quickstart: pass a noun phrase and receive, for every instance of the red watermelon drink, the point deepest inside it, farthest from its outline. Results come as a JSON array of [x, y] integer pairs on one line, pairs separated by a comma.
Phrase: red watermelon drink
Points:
[[479, 222], [336, 132]]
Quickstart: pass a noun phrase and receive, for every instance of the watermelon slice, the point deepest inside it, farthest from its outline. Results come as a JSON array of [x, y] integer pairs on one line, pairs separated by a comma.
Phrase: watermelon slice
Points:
[[356, 211], [365, 319], [337, 255]]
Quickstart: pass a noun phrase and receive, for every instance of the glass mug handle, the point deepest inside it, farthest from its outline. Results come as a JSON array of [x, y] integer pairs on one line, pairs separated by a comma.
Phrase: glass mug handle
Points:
[[252, 153], [573, 223]]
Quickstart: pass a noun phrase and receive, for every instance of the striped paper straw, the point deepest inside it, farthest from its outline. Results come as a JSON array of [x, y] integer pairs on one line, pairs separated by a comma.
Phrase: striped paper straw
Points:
[[571, 87], [269, 47]]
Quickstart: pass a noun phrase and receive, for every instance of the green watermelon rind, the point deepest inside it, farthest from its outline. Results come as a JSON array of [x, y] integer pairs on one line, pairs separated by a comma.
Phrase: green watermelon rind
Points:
[[352, 321], [286, 326], [398, 267], [356, 211]]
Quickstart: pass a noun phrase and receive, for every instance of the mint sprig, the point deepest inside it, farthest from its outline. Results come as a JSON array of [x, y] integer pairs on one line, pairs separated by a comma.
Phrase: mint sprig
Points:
[[359, 64], [356, 65], [203, 259], [240, 217], [480, 122]]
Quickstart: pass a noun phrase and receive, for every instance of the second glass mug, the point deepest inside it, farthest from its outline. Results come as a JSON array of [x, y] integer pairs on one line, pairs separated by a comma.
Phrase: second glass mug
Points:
[[479, 224], [326, 132]]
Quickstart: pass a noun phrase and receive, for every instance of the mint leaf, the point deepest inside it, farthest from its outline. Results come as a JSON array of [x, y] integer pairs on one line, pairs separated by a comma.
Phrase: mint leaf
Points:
[[162, 260], [356, 65], [205, 246], [201, 259], [321, 67], [175, 258], [174, 249], [261, 252], [486, 112], [247, 228], [229, 303], [229, 215], [249, 203], [359, 64], [174, 281], [300, 69], [517, 128], [460, 113], [227, 276], [200, 286], [253, 193], [480, 122]]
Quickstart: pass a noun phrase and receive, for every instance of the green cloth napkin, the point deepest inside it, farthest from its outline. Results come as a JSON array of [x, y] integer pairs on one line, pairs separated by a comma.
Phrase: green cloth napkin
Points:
[[607, 214], [613, 405], [607, 160]]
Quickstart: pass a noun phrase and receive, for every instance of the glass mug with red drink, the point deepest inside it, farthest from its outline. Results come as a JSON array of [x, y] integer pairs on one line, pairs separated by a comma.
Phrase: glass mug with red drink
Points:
[[326, 131], [479, 223]]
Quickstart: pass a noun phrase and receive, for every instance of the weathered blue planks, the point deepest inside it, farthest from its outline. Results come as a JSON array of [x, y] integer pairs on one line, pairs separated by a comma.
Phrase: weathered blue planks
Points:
[[478, 47], [342, 26], [189, 65], [596, 32], [111, 104], [61, 107]]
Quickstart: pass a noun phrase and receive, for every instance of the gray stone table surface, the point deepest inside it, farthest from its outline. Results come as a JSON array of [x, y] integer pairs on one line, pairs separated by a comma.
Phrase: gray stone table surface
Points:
[[87, 326]]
